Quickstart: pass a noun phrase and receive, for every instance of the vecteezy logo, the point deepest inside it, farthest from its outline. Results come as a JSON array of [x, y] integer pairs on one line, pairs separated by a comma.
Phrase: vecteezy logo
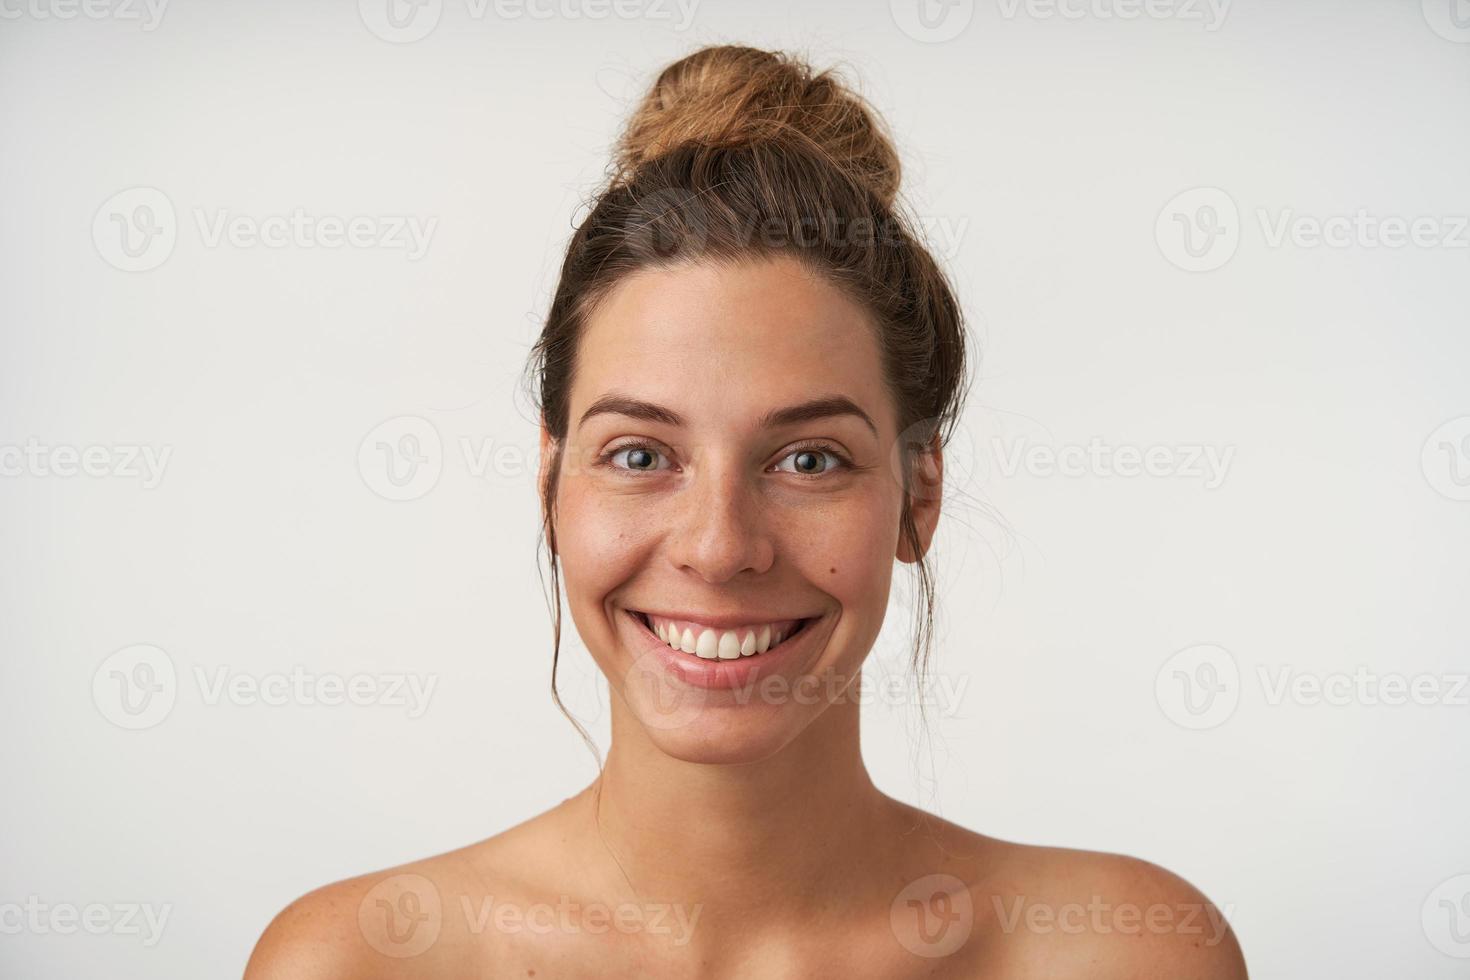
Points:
[[672, 223], [135, 688], [1450, 19], [402, 458], [400, 21], [1445, 459], [1199, 687], [933, 916], [401, 916], [135, 230], [1199, 229], [1446, 917], [658, 699], [932, 21]]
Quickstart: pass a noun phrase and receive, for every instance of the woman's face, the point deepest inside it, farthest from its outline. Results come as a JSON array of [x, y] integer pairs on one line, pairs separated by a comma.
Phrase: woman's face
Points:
[[729, 479]]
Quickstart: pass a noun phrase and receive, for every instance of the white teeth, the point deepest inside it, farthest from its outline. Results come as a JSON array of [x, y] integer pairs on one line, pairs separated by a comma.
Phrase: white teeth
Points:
[[729, 646], [712, 644]]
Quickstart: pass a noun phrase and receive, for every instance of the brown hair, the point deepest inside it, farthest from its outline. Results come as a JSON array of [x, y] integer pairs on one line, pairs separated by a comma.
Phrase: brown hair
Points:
[[738, 154]]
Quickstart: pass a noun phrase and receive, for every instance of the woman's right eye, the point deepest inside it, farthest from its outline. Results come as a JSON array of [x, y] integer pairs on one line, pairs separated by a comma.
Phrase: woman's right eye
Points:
[[637, 459]]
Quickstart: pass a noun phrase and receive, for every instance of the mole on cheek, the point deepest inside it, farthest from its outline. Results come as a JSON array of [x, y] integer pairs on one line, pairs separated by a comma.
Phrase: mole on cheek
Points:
[[834, 571]]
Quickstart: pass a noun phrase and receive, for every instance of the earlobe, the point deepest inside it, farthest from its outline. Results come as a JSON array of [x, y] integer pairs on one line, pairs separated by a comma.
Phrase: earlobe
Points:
[[925, 491]]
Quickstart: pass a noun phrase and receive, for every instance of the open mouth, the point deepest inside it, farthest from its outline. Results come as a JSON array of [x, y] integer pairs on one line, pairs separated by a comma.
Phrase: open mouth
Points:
[[714, 643]]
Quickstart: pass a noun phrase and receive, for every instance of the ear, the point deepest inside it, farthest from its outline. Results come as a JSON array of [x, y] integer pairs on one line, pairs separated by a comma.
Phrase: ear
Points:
[[925, 490]]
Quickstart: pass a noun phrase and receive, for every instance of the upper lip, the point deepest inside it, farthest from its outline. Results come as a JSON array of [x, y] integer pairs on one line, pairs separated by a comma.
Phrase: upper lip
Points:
[[714, 621]]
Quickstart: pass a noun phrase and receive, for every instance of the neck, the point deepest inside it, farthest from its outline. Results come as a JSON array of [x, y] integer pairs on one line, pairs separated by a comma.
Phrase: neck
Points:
[[753, 839]]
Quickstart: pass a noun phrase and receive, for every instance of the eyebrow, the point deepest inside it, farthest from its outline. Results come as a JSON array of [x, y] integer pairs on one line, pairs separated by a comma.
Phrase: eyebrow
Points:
[[829, 406]]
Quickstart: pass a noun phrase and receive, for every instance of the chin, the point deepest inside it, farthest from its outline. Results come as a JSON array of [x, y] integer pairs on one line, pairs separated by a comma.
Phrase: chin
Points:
[[730, 736]]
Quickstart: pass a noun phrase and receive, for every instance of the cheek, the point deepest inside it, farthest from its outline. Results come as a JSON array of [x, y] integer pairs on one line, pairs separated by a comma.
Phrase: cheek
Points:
[[846, 550], [601, 538]]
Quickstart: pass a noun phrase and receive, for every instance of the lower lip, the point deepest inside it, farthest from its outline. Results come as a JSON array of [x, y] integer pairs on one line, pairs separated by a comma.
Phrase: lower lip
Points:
[[716, 673]]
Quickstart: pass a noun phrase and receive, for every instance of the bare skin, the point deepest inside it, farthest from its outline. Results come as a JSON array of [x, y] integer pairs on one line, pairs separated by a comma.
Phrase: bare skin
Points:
[[742, 838]]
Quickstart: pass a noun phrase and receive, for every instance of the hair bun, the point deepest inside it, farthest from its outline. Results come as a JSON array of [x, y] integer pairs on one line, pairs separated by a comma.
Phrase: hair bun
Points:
[[729, 95]]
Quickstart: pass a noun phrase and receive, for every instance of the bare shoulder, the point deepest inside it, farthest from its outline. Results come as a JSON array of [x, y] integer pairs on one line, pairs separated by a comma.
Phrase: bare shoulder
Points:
[[1116, 915], [427, 918], [1061, 912]]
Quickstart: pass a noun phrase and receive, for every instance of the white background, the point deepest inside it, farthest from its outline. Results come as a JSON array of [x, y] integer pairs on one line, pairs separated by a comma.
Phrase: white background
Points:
[[1048, 150]]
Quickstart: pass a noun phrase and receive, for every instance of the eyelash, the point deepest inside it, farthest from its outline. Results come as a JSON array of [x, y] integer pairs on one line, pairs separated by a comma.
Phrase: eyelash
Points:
[[843, 462]]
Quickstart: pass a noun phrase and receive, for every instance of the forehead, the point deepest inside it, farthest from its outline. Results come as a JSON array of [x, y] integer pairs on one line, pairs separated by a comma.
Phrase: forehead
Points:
[[730, 340]]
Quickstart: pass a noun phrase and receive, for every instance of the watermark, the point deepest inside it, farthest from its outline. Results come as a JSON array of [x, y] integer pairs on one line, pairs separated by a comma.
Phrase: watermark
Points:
[[147, 14], [1450, 19], [1210, 13], [1362, 686], [1199, 230], [137, 688], [65, 460], [1445, 459], [933, 916], [1099, 917], [1200, 687], [1099, 459], [34, 916], [401, 458], [1445, 917], [300, 687], [1362, 229], [137, 229], [932, 21], [407, 233], [407, 21], [403, 916], [674, 221], [663, 701], [567, 916]]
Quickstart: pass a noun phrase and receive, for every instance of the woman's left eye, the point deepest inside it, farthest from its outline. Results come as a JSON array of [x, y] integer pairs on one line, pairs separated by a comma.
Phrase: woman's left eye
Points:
[[812, 461]]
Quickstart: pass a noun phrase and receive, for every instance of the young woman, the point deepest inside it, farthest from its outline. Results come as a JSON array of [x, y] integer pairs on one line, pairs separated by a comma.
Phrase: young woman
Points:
[[747, 377]]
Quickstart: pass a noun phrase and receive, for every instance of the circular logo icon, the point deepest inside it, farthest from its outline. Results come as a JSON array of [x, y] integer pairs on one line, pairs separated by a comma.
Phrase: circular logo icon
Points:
[[962, 469], [659, 699], [402, 458], [1446, 917], [933, 916], [401, 916], [932, 21], [135, 230], [672, 223], [1445, 459], [136, 687], [1199, 687], [1450, 19], [401, 21], [1199, 230]]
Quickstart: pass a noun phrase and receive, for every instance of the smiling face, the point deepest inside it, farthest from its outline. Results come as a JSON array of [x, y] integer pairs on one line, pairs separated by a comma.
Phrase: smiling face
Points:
[[727, 508]]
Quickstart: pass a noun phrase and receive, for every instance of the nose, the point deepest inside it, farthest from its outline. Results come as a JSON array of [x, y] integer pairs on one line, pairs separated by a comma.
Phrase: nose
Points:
[[722, 528]]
